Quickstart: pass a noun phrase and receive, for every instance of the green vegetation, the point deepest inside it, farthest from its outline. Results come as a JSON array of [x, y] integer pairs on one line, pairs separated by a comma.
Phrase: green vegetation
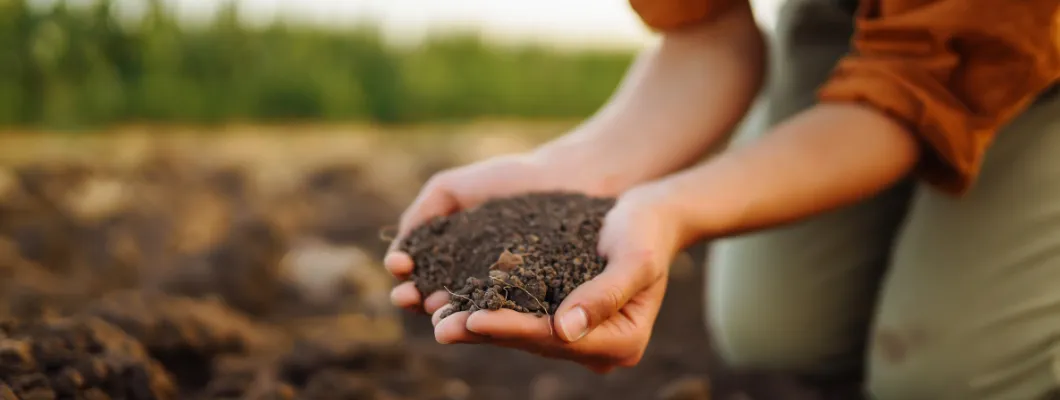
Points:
[[74, 66]]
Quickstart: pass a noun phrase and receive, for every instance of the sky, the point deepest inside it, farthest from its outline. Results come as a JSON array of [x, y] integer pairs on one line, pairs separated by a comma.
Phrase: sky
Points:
[[561, 22]]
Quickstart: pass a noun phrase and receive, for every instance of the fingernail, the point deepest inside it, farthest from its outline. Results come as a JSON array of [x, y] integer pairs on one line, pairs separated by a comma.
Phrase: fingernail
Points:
[[471, 321], [440, 332], [574, 324], [440, 335], [399, 300]]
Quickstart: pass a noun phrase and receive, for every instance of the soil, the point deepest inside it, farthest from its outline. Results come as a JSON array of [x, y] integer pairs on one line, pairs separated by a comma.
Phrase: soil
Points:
[[185, 334], [526, 253], [83, 358], [322, 370]]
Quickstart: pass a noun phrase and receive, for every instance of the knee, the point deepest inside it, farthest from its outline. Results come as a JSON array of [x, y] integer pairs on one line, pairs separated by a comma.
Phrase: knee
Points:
[[773, 342]]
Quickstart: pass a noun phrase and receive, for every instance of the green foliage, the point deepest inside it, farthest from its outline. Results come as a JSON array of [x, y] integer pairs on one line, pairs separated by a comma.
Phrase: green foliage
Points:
[[83, 66]]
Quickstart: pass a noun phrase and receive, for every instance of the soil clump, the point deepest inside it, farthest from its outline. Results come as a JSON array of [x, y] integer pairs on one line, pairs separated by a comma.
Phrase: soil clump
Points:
[[526, 253]]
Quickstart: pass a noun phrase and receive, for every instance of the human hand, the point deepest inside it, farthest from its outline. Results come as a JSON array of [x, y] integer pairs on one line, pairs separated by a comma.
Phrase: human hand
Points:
[[464, 187], [607, 321]]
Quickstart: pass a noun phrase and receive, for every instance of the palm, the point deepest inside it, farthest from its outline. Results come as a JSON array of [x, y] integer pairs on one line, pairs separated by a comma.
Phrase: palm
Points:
[[613, 313], [617, 341], [464, 188]]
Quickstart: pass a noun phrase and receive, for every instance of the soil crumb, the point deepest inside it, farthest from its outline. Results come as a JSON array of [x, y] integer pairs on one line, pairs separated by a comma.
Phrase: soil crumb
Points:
[[525, 253]]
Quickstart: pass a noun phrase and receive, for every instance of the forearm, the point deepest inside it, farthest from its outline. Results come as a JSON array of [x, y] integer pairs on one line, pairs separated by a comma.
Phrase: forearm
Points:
[[677, 101], [825, 158]]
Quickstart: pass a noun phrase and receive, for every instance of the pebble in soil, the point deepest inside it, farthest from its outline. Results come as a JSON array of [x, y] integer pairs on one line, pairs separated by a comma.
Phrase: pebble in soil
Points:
[[525, 253]]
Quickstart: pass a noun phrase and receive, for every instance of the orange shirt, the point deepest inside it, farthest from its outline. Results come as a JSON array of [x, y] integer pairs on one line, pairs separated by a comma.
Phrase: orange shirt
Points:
[[953, 71]]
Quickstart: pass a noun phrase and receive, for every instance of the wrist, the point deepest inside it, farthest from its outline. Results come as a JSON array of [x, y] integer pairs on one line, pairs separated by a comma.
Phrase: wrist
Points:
[[683, 199], [806, 166], [662, 201], [584, 160]]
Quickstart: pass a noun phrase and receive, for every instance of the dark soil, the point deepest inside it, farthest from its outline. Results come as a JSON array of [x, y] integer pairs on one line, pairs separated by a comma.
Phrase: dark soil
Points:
[[81, 358], [526, 253], [185, 334], [323, 370]]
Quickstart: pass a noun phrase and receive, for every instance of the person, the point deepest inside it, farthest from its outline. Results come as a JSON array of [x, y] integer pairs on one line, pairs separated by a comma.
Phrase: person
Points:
[[858, 219]]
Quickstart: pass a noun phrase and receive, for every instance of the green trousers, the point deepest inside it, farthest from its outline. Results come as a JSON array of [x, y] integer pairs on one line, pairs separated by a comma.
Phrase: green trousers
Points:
[[936, 297]]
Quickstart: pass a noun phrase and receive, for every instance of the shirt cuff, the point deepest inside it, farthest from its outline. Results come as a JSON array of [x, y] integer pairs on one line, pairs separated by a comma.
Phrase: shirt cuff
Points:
[[666, 15], [951, 74], [954, 143]]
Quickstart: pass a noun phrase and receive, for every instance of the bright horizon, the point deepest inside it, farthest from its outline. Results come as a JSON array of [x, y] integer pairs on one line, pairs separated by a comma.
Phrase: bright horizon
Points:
[[557, 22]]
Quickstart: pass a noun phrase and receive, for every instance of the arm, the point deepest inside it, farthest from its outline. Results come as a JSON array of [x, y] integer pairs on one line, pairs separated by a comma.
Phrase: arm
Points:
[[926, 90], [677, 101], [810, 164]]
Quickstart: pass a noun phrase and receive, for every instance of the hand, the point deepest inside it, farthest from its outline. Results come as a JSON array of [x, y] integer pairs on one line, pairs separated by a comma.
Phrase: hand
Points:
[[607, 321], [468, 186]]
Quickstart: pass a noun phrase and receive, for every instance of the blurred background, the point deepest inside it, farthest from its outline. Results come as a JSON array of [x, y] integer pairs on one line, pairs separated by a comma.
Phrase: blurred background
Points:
[[210, 178], [79, 64]]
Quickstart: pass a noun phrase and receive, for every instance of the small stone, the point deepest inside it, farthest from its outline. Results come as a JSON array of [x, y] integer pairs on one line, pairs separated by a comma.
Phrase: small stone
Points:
[[507, 261]]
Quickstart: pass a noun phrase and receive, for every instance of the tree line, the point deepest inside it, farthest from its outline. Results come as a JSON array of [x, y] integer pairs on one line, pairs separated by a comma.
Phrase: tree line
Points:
[[80, 65]]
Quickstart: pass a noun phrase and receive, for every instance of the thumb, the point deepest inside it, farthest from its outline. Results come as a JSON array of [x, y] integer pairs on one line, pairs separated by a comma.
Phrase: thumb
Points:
[[435, 199], [603, 297]]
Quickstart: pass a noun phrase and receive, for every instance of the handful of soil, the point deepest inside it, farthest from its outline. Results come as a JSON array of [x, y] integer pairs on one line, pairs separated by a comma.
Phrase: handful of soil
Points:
[[525, 253]]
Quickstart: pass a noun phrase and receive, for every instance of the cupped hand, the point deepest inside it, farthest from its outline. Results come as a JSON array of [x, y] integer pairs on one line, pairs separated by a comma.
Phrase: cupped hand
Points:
[[464, 187], [606, 322]]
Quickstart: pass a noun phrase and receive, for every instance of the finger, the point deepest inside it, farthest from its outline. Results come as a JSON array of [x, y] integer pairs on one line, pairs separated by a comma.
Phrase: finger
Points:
[[453, 329], [602, 297], [436, 301], [433, 201], [399, 264], [405, 295], [525, 332], [436, 316], [531, 333], [505, 324]]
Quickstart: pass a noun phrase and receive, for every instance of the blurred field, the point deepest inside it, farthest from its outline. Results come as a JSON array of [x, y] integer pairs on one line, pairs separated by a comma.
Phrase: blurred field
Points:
[[246, 262], [277, 227], [74, 64]]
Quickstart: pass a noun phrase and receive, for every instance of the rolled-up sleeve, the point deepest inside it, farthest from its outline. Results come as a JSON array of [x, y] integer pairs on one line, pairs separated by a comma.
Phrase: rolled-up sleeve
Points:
[[666, 15], [952, 71]]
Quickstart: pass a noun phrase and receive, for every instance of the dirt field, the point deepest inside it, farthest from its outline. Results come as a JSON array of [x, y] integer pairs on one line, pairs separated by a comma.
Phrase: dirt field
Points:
[[138, 265]]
